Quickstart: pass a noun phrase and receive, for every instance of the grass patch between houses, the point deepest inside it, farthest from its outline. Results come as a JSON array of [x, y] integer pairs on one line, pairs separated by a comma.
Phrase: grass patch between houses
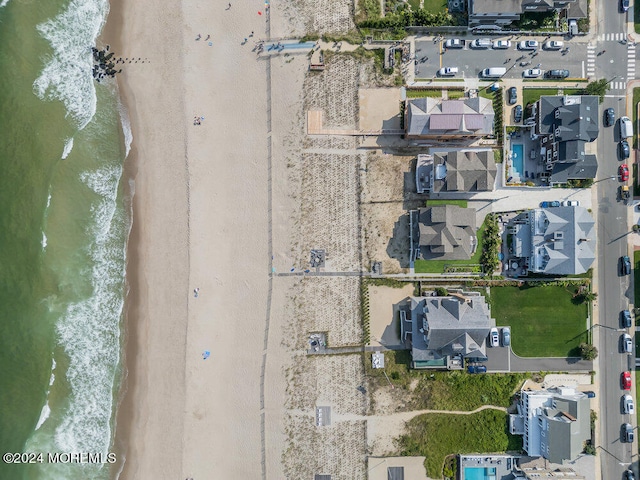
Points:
[[435, 6], [444, 390], [460, 203], [531, 95], [438, 435], [544, 320], [421, 93]]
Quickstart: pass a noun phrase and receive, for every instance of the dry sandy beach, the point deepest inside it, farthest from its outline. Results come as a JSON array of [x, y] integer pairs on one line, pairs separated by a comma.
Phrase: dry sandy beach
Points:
[[219, 207]]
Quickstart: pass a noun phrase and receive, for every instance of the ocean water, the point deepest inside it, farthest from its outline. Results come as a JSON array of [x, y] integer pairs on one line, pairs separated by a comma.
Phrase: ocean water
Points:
[[64, 223]]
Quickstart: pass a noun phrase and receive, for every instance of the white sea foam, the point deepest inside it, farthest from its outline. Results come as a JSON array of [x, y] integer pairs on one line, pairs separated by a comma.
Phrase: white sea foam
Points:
[[67, 72], [3, 3], [44, 414], [90, 330], [126, 127], [43, 242], [46, 411], [49, 198], [68, 146]]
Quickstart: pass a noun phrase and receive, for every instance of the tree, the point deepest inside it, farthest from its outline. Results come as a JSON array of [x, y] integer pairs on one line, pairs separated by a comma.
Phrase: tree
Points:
[[599, 88], [441, 291], [588, 352]]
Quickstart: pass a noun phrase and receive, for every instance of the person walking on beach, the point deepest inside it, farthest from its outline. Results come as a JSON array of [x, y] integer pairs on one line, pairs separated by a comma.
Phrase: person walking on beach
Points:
[[229, 7]]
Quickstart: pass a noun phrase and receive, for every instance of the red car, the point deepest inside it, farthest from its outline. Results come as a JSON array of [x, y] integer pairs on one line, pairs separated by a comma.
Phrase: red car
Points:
[[626, 380], [623, 172]]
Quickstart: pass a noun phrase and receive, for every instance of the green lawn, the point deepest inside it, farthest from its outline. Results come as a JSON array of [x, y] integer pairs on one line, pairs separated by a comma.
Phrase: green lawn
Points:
[[530, 95], [455, 94], [544, 320], [437, 266], [636, 16], [417, 93], [460, 203], [437, 435], [415, 5], [435, 6]]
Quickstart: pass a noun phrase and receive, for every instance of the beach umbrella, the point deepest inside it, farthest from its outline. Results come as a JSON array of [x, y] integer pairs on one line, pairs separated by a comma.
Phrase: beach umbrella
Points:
[[206, 354]]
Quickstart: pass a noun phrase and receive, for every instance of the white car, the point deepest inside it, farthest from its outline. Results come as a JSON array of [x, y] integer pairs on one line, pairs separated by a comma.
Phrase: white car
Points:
[[628, 405], [454, 43], [528, 45], [494, 338], [501, 44], [448, 71], [570, 203], [532, 73], [553, 45]]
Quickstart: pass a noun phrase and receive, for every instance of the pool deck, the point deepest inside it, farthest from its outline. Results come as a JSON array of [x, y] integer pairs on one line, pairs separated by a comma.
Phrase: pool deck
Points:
[[499, 462]]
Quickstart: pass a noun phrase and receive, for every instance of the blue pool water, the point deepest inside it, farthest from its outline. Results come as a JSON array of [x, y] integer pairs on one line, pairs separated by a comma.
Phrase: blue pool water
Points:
[[480, 473], [517, 158]]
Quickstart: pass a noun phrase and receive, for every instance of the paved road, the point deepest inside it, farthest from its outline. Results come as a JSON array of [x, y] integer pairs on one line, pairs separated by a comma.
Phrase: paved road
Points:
[[614, 295]]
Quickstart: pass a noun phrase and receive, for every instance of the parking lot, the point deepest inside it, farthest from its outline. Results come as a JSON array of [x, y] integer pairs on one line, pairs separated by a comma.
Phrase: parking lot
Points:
[[431, 56]]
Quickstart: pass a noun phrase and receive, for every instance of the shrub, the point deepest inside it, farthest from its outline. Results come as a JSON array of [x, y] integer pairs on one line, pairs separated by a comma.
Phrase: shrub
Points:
[[588, 352]]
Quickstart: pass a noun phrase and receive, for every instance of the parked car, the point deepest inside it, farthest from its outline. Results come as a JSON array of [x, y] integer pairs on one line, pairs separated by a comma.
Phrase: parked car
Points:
[[625, 265], [494, 338], [513, 95], [569, 203], [477, 369], [626, 319], [629, 475], [626, 345], [623, 172], [506, 336], [623, 150], [590, 394], [517, 113], [626, 380], [448, 71], [627, 433], [609, 117], [501, 44], [624, 5], [454, 43], [528, 45], [532, 73], [481, 43], [555, 203], [553, 45], [573, 27], [557, 74], [627, 404]]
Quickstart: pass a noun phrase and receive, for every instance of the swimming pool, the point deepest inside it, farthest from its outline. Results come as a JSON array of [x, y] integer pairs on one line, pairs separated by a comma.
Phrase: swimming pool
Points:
[[480, 473], [517, 158]]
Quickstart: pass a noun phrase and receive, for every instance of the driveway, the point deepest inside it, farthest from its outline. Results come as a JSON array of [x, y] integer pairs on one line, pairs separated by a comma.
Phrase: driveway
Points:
[[502, 359]]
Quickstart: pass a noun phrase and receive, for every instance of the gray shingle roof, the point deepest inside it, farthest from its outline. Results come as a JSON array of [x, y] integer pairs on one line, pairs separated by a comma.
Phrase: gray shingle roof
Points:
[[467, 171], [434, 117], [451, 326], [446, 232], [561, 240]]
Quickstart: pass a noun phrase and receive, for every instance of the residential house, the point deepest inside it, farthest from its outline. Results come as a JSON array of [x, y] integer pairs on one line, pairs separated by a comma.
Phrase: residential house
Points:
[[430, 118], [553, 241], [554, 423], [456, 171], [443, 331], [442, 232], [563, 127], [501, 13]]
